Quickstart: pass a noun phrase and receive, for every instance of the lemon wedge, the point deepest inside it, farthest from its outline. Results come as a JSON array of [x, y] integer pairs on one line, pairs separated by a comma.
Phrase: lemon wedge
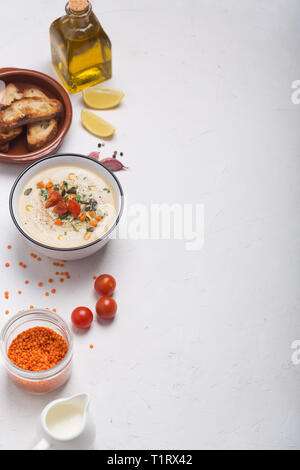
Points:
[[96, 125], [98, 97]]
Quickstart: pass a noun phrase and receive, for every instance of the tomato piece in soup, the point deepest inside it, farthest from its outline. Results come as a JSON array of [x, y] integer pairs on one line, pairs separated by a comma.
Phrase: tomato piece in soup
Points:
[[54, 198], [74, 207], [61, 208]]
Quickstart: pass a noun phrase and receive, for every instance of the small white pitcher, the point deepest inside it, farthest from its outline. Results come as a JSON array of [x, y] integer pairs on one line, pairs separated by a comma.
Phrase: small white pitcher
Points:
[[67, 425]]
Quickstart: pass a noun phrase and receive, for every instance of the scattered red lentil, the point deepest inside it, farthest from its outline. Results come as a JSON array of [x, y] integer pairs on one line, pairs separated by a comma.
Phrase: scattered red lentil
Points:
[[94, 277], [91, 346], [6, 312], [7, 265], [37, 349], [39, 259], [19, 292], [6, 294], [55, 264], [47, 294], [40, 284], [54, 310], [33, 255], [53, 291], [50, 280], [24, 266], [57, 273], [61, 280], [26, 282], [21, 263], [31, 307], [9, 247]]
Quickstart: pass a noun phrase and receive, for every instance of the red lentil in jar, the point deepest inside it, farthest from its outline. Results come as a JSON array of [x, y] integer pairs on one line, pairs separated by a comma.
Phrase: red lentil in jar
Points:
[[37, 348]]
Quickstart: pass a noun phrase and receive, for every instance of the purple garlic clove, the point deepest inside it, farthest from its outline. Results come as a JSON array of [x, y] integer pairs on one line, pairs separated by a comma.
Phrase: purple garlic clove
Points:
[[113, 164], [94, 155]]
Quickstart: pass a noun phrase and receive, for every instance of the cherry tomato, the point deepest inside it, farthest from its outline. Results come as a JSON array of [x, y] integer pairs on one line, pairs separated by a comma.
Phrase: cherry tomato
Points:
[[53, 199], [73, 207], [106, 308], [82, 317], [61, 208], [105, 285]]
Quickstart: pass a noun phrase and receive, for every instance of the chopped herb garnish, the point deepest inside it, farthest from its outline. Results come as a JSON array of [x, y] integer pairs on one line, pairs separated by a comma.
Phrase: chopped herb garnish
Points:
[[90, 229], [106, 190], [65, 183], [75, 228], [27, 192], [44, 194]]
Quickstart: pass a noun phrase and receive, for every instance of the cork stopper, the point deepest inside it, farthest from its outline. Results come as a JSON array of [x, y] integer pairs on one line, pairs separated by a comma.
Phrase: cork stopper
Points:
[[78, 5]]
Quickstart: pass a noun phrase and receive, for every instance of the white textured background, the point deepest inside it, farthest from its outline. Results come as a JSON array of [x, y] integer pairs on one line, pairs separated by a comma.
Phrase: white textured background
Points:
[[200, 354]]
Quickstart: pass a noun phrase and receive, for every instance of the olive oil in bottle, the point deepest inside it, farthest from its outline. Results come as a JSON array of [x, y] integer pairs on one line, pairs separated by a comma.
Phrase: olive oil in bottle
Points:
[[81, 50]]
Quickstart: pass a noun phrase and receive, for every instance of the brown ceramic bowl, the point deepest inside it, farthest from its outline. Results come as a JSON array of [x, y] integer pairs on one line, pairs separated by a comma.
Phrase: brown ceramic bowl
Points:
[[22, 78]]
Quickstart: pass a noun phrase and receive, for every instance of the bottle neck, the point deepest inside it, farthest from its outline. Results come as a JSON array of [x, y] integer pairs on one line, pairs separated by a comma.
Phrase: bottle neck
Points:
[[78, 8]]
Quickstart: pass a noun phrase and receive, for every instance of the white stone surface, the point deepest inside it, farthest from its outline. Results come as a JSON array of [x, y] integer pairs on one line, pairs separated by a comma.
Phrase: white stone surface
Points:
[[200, 354]]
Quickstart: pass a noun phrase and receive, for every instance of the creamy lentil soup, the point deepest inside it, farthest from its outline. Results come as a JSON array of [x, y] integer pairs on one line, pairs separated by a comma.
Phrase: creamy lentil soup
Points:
[[67, 207]]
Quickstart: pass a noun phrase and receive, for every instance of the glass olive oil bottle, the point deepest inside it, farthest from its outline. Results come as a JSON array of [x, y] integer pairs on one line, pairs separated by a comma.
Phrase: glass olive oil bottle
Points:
[[81, 50]]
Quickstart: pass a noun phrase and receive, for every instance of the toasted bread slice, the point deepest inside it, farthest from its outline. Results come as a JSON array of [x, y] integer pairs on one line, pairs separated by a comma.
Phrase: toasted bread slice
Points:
[[11, 94], [34, 93], [27, 111], [39, 134], [4, 148], [8, 136]]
